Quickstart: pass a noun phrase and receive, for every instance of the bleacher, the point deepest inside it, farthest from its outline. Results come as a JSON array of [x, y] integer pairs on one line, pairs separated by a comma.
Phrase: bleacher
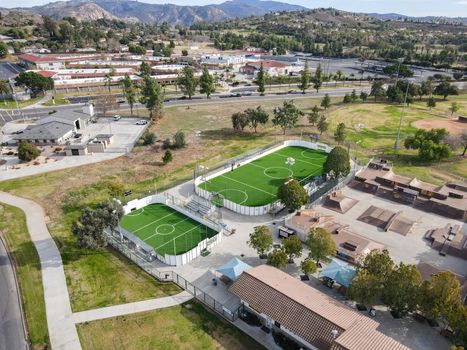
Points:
[[200, 206]]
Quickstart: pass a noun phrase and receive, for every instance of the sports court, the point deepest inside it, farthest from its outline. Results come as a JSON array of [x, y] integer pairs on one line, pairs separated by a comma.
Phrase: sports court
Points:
[[166, 230], [256, 183]]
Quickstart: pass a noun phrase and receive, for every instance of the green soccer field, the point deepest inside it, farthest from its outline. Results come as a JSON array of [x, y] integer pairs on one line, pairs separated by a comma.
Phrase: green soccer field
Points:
[[165, 229], [256, 183]]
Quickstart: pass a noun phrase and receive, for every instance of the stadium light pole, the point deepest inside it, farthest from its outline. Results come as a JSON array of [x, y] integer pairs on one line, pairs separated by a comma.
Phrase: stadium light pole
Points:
[[396, 143], [115, 211]]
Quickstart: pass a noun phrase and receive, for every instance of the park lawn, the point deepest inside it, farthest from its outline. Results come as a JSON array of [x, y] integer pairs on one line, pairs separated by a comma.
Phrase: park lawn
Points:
[[11, 104], [187, 326], [60, 101], [28, 269], [165, 230]]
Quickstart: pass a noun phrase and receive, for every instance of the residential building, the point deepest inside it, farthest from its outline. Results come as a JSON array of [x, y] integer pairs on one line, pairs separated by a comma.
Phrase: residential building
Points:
[[271, 68], [312, 319], [40, 62]]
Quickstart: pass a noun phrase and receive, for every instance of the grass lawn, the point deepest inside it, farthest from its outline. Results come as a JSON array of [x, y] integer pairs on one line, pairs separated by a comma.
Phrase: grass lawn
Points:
[[28, 268], [187, 326], [166, 230], [11, 104], [256, 183]]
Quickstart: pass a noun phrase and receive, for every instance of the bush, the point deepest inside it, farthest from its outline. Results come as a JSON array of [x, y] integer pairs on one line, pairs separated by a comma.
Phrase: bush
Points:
[[167, 144], [27, 151], [179, 139], [149, 138], [167, 157]]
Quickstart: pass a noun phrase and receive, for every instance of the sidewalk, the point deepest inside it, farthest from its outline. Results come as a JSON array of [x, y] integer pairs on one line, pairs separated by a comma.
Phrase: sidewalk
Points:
[[62, 330], [131, 308]]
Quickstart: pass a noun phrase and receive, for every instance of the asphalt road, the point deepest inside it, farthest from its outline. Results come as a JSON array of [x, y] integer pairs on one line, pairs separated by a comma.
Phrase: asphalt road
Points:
[[39, 112], [11, 327]]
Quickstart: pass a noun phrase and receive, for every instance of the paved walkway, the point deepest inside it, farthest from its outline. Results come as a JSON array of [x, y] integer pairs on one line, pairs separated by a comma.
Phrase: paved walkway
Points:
[[131, 308], [62, 330]]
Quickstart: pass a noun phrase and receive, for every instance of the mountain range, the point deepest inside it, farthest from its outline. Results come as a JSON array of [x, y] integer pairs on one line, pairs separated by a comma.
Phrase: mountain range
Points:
[[130, 10]]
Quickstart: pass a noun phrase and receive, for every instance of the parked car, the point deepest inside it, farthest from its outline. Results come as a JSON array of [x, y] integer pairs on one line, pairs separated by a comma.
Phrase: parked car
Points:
[[141, 122], [117, 117]]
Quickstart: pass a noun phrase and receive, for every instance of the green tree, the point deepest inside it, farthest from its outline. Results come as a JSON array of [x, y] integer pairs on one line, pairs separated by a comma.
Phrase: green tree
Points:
[[108, 80], [347, 98], [152, 96], [313, 117], [305, 78], [353, 95], [292, 247], [167, 157], [326, 101], [430, 144], [277, 258], [377, 89], [90, 226], [179, 139], [145, 69], [363, 96], [261, 80], [401, 289], [427, 87], [185, 52], [4, 89], [36, 83], [206, 83], [261, 240], [321, 244], [454, 108], [458, 322], [3, 49], [439, 296], [378, 263], [256, 116], [364, 289], [286, 116], [323, 124], [240, 120], [130, 91], [337, 163], [340, 134], [431, 103], [187, 81], [27, 151], [308, 266], [318, 78], [445, 89], [292, 195]]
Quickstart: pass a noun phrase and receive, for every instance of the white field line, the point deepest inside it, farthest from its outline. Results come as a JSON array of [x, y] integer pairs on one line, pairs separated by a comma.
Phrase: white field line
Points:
[[184, 233], [253, 187], [300, 160], [144, 240], [259, 166], [153, 222]]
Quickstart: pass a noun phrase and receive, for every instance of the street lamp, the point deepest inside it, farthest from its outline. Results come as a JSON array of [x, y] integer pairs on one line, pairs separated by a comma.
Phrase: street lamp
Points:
[[115, 211]]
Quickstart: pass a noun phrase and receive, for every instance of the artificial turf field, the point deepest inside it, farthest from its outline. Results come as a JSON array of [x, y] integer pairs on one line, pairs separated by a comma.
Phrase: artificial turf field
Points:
[[256, 183], [159, 226]]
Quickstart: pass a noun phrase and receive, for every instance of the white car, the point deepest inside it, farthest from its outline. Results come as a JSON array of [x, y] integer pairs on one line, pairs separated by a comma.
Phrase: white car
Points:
[[141, 122], [117, 117]]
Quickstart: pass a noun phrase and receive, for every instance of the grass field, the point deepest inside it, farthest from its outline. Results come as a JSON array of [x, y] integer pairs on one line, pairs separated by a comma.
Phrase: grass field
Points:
[[165, 229], [185, 327], [256, 183]]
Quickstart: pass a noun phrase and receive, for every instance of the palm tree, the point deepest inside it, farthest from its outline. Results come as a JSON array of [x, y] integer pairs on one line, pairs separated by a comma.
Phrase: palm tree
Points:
[[108, 80], [4, 89]]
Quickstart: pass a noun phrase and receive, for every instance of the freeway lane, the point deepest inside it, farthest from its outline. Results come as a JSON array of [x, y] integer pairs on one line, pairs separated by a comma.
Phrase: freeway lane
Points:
[[12, 336], [6, 116]]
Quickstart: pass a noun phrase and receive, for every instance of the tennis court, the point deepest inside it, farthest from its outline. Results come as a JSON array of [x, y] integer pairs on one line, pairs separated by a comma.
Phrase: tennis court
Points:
[[256, 183], [165, 229]]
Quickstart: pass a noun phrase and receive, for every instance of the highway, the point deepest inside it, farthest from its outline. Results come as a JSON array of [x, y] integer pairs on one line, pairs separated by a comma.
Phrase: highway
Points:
[[10, 115], [12, 336]]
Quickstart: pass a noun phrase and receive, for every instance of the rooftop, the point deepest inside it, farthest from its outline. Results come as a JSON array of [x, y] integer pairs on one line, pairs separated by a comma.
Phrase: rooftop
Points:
[[47, 131]]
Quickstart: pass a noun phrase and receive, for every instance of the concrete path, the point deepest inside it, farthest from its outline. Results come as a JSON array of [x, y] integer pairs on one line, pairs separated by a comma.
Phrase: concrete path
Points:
[[131, 308], [11, 319], [62, 330]]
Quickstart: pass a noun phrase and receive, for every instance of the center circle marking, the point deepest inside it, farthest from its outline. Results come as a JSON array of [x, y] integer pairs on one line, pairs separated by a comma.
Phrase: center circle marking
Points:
[[158, 229], [277, 177]]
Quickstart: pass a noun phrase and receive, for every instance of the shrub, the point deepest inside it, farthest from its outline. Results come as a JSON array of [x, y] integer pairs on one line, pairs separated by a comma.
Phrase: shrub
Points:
[[27, 151], [167, 157], [167, 144], [179, 139], [149, 138]]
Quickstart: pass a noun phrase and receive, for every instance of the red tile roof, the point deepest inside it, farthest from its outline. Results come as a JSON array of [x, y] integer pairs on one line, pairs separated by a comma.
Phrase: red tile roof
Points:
[[35, 58], [46, 73], [307, 312], [267, 64]]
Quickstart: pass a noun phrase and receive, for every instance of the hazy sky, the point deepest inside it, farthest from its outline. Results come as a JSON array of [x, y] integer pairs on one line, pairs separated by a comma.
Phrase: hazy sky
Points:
[[407, 7]]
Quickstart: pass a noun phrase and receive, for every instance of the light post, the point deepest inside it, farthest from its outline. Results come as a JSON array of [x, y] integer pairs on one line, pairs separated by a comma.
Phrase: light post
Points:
[[396, 143]]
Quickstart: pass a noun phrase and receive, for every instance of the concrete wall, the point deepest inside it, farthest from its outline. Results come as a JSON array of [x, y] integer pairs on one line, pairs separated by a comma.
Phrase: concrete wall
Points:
[[261, 210]]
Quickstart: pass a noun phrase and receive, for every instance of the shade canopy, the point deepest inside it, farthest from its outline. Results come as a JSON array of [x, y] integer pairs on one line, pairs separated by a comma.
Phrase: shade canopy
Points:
[[233, 269], [340, 271]]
